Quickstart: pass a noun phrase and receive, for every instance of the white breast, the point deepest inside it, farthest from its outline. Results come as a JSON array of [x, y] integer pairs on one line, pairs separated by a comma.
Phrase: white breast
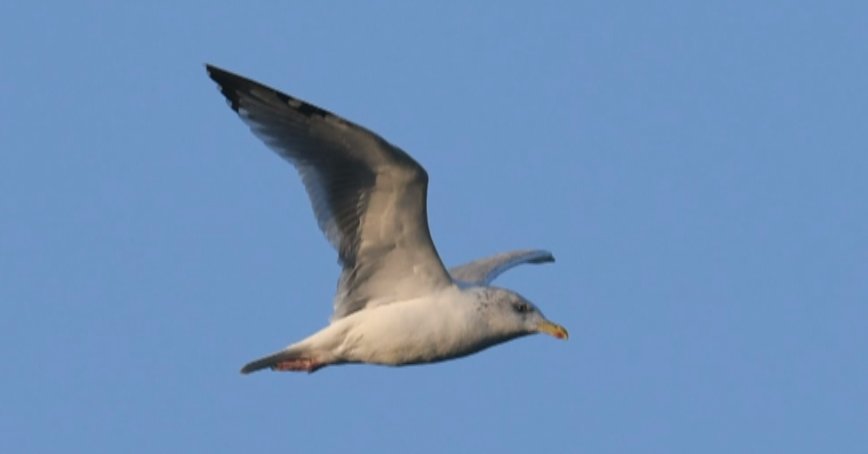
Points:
[[437, 327]]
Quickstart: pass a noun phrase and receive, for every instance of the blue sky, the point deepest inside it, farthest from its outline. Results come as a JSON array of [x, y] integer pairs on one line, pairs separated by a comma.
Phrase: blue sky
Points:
[[697, 168]]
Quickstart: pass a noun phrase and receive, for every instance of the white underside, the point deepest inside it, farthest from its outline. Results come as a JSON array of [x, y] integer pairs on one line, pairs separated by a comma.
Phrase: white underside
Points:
[[439, 326]]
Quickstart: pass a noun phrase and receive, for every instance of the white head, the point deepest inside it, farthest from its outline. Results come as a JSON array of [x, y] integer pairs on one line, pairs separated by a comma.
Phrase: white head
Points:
[[509, 315]]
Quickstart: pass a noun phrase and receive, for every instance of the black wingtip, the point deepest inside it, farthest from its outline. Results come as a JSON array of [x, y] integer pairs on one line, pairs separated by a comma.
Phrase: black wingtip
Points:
[[224, 77], [229, 84], [546, 257], [235, 87]]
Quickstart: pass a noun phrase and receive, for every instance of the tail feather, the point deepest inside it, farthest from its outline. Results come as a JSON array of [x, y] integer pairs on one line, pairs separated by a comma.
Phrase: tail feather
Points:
[[291, 359], [269, 362]]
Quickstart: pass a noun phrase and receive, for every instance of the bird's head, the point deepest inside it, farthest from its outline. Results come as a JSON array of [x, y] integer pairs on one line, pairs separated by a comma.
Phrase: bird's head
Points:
[[513, 315]]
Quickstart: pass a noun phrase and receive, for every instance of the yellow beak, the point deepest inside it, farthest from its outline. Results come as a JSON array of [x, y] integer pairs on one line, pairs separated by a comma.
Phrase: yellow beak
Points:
[[553, 329]]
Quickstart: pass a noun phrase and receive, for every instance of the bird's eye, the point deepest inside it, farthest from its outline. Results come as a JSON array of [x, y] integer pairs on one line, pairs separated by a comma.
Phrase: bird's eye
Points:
[[522, 308]]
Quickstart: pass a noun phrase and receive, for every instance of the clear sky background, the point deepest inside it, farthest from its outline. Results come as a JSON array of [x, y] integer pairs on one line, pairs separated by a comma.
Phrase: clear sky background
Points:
[[699, 169]]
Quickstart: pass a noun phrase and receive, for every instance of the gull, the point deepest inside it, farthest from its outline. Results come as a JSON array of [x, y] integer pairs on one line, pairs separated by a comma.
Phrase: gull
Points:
[[396, 303]]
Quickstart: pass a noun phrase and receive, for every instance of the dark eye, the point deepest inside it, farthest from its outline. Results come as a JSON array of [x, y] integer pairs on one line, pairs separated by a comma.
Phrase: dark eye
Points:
[[522, 308]]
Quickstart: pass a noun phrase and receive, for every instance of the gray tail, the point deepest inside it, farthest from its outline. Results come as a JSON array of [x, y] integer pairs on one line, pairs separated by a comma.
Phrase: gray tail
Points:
[[270, 361]]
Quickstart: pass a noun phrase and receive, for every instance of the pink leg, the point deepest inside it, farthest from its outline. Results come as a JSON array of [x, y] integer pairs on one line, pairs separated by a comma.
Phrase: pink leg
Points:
[[297, 365]]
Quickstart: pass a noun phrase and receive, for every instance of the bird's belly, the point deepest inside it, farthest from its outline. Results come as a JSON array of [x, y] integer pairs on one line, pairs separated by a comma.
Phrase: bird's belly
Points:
[[407, 333]]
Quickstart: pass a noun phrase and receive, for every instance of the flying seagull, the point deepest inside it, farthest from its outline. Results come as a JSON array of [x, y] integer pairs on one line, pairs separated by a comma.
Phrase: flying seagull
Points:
[[396, 304]]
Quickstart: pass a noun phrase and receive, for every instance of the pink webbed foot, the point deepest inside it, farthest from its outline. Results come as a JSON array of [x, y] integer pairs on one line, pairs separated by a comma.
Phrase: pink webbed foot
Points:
[[297, 365]]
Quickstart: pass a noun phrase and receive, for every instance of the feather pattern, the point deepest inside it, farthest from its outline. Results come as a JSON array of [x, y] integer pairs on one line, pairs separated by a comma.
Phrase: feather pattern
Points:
[[368, 196], [483, 271]]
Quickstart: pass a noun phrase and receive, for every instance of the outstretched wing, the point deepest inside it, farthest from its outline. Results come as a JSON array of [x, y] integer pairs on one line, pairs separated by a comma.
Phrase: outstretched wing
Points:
[[369, 197], [483, 271]]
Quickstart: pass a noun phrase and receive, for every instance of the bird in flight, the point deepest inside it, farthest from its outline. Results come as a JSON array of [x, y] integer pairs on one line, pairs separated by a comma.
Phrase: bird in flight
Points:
[[396, 303]]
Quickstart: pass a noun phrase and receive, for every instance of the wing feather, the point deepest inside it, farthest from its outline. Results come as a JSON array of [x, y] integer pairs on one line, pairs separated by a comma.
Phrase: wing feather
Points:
[[368, 196], [484, 270]]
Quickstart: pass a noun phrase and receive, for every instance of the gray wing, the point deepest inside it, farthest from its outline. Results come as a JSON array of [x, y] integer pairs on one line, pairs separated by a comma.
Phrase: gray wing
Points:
[[483, 271], [369, 197]]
